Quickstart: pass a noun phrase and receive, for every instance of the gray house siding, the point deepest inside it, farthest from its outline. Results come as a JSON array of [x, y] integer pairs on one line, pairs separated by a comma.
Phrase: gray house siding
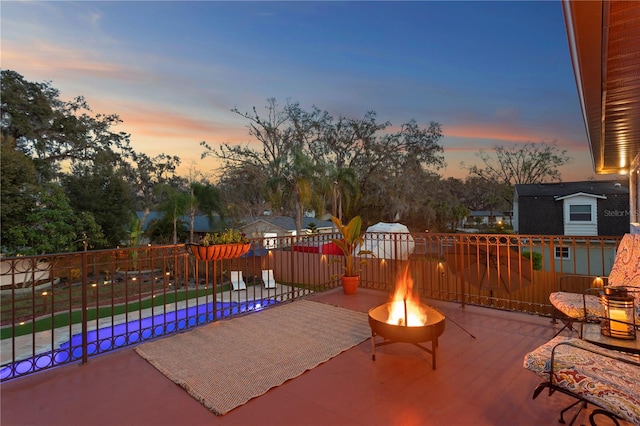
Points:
[[540, 207], [613, 215], [540, 215]]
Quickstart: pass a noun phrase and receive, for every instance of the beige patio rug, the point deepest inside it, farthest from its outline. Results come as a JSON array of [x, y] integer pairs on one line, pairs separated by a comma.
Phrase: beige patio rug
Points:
[[225, 364]]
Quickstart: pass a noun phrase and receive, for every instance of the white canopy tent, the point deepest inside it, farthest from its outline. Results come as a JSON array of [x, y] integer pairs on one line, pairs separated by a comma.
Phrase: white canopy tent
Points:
[[389, 241]]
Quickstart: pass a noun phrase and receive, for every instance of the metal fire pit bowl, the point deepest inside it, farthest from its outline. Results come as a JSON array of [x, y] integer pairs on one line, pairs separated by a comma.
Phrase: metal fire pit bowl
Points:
[[393, 333]]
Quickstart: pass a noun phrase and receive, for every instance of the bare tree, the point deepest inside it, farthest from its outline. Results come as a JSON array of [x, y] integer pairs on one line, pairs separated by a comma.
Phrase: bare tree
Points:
[[287, 169], [522, 164], [309, 160], [518, 164]]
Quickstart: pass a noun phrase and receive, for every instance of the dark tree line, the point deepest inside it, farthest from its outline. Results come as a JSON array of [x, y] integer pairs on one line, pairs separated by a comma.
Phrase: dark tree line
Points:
[[311, 160], [345, 166], [69, 177]]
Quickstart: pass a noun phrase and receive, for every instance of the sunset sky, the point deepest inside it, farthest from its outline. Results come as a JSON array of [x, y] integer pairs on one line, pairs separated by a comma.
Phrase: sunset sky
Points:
[[489, 72]]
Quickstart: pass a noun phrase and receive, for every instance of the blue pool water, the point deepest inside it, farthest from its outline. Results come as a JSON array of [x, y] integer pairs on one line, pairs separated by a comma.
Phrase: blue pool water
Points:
[[117, 336]]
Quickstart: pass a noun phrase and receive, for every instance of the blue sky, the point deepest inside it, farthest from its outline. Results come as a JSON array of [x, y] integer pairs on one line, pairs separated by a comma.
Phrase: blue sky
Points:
[[489, 72]]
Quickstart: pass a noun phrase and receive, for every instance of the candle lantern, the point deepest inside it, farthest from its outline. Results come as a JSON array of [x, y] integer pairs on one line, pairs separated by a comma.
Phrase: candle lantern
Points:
[[619, 315]]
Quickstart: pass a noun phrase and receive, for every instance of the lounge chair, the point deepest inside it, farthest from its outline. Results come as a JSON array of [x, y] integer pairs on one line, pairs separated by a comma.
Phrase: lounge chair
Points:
[[604, 377], [267, 278], [237, 282]]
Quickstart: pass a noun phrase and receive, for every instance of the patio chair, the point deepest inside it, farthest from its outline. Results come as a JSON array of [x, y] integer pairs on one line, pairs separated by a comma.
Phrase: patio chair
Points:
[[237, 282], [571, 307], [268, 279]]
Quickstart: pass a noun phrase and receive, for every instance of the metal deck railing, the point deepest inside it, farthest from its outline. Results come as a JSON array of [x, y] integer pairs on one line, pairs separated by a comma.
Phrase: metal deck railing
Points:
[[63, 308]]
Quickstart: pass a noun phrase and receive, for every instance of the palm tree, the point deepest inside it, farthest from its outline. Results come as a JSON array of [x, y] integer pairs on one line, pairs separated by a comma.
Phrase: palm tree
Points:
[[345, 191], [294, 183], [175, 204], [299, 174], [206, 199]]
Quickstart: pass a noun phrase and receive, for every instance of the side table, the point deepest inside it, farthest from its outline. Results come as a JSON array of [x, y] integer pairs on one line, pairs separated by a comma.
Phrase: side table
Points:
[[591, 333]]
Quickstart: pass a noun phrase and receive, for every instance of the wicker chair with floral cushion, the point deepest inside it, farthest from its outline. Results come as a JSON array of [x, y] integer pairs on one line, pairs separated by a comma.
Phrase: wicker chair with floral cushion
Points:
[[572, 307]]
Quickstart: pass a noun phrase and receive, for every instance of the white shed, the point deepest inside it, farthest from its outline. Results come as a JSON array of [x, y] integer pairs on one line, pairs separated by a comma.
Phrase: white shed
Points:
[[389, 241]]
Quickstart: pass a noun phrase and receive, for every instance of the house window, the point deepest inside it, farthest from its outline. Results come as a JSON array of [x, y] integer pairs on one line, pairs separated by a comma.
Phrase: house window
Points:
[[562, 253], [580, 213]]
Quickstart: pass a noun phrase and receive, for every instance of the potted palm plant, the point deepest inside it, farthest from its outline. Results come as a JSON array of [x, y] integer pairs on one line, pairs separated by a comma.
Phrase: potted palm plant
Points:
[[348, 245], [220, 245]]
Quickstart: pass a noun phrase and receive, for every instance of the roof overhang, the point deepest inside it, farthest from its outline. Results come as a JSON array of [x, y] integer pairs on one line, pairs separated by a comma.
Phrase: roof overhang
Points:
[[580, 194], [604, 42]]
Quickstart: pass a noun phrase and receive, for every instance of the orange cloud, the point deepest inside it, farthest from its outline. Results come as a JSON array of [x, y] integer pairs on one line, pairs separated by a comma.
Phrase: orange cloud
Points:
[[147, 120], [480, 135], [56, 60], [479, 131]]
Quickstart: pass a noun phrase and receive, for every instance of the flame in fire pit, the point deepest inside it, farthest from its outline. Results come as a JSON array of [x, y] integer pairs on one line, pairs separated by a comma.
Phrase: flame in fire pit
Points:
[[405, 309]]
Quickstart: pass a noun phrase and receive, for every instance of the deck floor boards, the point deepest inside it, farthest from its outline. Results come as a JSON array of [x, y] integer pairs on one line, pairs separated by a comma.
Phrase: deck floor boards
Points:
[[477, 382]]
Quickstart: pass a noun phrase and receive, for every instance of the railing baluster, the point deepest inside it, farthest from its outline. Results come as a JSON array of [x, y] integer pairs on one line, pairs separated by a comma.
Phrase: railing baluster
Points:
[[85, 311]]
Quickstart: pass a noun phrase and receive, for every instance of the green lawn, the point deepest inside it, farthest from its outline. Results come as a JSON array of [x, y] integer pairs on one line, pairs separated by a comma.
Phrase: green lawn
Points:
[[75, 317]]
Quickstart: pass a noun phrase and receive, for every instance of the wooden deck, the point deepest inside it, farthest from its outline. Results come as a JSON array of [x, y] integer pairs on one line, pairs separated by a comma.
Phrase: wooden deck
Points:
[[478, 381]]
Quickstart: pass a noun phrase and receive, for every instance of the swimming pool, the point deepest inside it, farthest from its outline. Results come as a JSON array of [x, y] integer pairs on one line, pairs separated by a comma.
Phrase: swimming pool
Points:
[[120, 335]]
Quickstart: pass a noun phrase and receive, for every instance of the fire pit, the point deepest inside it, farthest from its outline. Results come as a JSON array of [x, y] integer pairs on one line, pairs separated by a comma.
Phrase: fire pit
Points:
[[405, 319], [429, 331]]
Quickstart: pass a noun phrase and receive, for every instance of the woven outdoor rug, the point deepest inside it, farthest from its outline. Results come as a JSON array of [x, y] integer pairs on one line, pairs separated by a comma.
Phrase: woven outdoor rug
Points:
[[227, 363]]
